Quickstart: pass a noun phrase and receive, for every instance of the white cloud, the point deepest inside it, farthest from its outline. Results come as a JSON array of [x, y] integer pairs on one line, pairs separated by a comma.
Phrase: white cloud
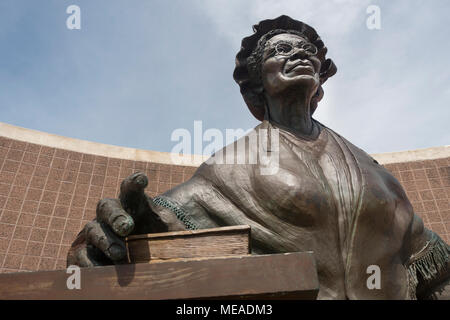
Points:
[[384, 77], [133, 74], [234, 18]]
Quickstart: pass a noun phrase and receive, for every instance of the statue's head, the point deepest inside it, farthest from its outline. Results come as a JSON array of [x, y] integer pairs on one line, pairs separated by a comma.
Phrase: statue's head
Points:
[[282, 54]]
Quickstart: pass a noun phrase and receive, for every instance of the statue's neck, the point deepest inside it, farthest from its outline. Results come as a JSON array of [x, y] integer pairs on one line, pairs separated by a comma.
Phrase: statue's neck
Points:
[[292, 112]]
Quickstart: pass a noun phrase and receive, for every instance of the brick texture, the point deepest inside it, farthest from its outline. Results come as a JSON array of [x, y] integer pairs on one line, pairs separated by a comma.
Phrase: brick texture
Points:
[[48, 194], [427, 185]]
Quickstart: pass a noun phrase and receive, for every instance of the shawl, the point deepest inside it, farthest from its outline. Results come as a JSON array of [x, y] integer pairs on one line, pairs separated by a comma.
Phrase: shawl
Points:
[[324, 195]]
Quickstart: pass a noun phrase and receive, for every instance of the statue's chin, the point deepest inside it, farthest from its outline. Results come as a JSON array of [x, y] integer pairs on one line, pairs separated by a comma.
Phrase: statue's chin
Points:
[[302, 82]]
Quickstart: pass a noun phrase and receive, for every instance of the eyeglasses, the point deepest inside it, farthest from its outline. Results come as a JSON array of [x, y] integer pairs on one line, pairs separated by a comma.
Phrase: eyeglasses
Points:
[[287, 48]]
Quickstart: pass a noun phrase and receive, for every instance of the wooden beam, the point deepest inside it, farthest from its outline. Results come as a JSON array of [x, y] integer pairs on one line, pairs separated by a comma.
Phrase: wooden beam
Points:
[[290, 275]]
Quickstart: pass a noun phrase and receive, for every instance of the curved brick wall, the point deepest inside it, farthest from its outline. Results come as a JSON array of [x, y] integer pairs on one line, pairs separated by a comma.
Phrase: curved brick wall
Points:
[[48, 193]]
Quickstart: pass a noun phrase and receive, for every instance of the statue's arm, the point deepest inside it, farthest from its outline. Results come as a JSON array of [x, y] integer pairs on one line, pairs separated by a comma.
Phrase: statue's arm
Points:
[[429, 264], [195, 203], [209, 199], [101, 241]]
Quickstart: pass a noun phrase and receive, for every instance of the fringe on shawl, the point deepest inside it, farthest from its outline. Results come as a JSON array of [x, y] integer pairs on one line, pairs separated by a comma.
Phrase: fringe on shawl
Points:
[[430, 262]]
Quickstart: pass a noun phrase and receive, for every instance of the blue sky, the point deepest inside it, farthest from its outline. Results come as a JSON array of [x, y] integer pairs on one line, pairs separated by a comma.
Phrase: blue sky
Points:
[[138, 70]]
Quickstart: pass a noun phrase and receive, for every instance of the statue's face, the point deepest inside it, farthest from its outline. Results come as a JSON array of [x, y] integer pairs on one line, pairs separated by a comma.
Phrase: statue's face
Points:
[[290, 61]]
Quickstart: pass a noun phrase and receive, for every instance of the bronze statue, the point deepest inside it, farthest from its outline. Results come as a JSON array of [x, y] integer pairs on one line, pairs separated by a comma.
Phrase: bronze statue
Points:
[[326, 196]]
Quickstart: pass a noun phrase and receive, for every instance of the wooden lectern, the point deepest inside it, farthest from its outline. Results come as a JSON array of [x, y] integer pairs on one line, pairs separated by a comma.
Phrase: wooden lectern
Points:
[[200, 264]]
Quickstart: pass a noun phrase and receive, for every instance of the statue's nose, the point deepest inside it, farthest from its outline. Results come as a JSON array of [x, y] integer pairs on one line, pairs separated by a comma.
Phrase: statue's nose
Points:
[[299, 53]]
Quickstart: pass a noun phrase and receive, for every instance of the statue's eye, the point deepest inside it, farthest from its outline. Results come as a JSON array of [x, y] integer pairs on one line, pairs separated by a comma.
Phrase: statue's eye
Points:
[[283, 48], [309, 48]]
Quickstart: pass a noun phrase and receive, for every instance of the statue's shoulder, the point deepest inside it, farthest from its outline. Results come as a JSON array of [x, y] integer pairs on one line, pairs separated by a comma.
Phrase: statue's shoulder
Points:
[[357, 151], [232, 160]]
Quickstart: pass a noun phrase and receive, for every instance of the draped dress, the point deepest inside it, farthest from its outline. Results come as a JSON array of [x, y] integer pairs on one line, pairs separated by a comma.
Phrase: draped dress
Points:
[[323, 195]]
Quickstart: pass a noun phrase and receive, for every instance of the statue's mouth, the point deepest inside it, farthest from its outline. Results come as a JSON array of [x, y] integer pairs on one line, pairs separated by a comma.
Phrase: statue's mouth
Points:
[[299, 65]]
